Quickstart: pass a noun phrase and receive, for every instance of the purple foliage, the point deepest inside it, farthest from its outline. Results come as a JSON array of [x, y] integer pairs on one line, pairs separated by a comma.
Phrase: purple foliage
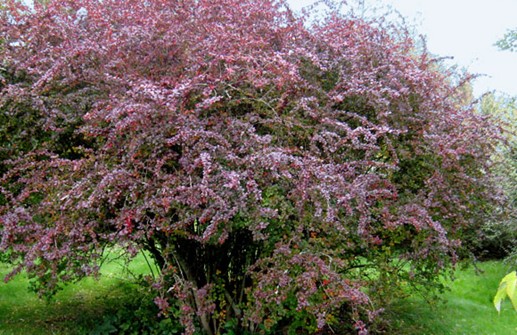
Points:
[[260, 159]]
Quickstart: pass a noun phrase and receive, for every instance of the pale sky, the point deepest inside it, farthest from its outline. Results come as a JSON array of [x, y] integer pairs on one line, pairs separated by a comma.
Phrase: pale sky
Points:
[[465, 30]]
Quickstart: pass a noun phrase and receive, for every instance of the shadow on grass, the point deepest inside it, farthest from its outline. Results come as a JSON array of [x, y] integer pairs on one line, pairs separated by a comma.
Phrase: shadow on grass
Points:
[[81, 307], [77, 309]]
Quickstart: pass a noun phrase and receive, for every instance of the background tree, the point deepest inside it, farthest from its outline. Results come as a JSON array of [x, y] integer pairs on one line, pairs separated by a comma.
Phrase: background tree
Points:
[[281, 172], [499, 238], [509, 41]]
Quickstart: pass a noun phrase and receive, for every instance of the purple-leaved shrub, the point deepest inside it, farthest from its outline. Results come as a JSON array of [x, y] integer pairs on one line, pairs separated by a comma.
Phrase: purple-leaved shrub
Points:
[[281, 172]]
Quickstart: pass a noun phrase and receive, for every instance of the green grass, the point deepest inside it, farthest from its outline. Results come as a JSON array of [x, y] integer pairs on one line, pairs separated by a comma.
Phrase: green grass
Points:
[[468, 307], [82, 306], [76, 309]]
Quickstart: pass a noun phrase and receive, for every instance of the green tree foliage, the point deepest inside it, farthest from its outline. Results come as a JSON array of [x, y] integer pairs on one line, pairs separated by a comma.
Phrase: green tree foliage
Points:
[[509, 41], [499, 238]]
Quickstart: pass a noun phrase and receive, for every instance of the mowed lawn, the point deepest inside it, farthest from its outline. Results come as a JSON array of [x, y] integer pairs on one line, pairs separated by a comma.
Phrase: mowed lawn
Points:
[[81, 307]]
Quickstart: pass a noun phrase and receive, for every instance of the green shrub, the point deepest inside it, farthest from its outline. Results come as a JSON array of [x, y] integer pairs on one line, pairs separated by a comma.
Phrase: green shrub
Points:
[[136, 314]]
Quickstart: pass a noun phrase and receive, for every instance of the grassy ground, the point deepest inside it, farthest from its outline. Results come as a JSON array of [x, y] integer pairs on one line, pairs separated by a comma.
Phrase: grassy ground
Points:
[[81, 307], [468, 308], [76, 309]]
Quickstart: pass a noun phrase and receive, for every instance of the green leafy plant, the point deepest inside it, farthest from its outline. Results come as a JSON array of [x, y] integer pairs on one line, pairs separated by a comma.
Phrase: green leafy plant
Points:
[[507, 289]]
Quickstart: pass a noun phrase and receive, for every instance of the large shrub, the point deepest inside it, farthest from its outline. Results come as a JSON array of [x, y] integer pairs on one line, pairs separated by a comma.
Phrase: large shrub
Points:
[[281, 172]]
